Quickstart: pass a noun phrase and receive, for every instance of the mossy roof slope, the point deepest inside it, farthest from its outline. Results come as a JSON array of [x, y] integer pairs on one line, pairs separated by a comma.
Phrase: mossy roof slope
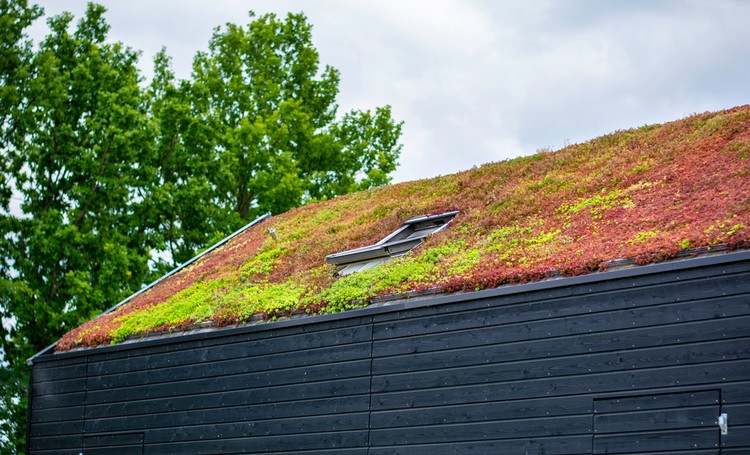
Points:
[[645, 194]]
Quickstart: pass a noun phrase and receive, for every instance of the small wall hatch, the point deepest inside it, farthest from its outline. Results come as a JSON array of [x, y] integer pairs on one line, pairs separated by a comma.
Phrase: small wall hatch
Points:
[[397, 244], [664, 422]]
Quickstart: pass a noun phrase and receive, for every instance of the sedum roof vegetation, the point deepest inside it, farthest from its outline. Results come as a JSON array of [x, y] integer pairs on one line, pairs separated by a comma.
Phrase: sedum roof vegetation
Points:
[[644, 194]]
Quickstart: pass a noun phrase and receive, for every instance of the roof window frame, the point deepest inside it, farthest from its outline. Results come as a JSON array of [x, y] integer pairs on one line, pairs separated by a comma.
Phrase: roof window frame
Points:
[[396, 244]]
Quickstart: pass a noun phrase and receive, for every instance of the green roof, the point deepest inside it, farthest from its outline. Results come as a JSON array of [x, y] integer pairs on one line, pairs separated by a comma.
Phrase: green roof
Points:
[[645, 194]]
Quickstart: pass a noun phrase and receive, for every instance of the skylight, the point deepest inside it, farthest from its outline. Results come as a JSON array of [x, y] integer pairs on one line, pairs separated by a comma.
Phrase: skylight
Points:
[[397, 244]]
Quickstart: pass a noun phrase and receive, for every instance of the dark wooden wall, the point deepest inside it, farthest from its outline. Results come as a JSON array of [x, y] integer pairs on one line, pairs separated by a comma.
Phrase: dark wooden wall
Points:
[[639, 361]]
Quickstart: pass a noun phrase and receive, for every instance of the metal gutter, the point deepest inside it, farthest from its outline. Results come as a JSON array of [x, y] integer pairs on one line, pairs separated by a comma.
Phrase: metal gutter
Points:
[[30, 360], [632, 272]]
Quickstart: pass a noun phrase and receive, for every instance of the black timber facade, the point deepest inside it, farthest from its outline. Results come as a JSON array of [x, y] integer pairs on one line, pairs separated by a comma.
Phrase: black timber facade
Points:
[[641, 360]]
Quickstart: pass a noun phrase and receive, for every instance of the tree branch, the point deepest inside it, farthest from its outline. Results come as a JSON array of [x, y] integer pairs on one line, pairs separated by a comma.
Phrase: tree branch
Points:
[[93, 185], [171, 148]]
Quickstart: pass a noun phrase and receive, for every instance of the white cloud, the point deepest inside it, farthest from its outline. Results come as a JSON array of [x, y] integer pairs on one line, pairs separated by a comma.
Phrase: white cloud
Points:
[[487, 80]]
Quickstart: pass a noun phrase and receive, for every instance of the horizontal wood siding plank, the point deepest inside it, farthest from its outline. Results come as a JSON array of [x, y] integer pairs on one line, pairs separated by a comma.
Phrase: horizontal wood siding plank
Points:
[[664, 419], [48, 361], [583, 331], [56, 428], [136, 449], [736, 349], [74, 451], [500, 310], [736, 393], [320, 356], [292, 426], [55, 442], [329, 388], [333, 451], [739, 414], [57, 387], [58, 400], [526, 446], [704, 438], [109, 440], [290, 376], [657, 401], [265, 444], [737, 436], [329, 451], [244, 413], [685, 375], [494, 411], [610, 341], [60, 373], [223, 337], [682, 452], [242, 350], [57, 414], [513, 429]]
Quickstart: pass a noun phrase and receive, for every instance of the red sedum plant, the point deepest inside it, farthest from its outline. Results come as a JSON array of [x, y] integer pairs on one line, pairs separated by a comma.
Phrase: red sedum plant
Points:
[[644, 194]]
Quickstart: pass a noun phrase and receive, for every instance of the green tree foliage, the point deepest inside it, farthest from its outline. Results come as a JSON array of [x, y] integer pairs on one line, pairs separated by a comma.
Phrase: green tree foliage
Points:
[[15, 53], [255, 131], [369, 148], [182, 200], [113, 171], [273, 112], [80, 244]]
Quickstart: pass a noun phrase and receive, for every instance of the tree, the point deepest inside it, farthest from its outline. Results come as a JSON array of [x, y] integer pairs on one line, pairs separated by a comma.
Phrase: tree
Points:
[[368, 152], [273, 112], [112, 171], [15, 54], [80, 244], [181, 202], [254, 131]]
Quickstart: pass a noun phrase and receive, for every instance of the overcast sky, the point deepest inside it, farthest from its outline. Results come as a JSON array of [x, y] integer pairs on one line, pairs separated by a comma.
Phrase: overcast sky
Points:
[[480, 81]]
